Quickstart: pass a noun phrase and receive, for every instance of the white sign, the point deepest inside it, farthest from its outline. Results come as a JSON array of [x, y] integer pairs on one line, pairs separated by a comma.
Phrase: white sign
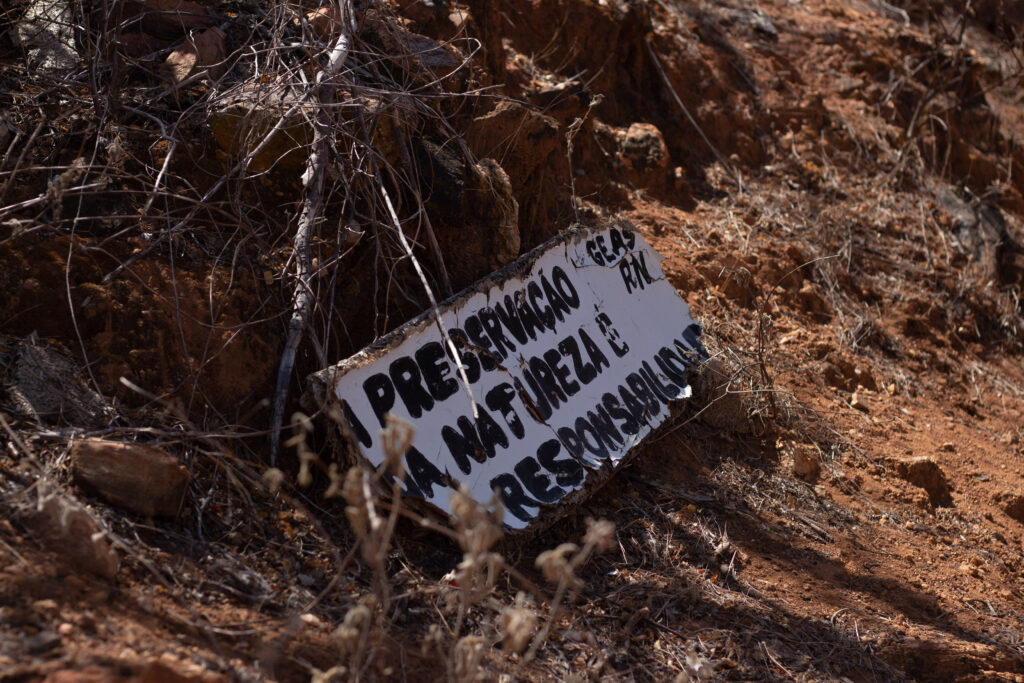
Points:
[[573, 354]]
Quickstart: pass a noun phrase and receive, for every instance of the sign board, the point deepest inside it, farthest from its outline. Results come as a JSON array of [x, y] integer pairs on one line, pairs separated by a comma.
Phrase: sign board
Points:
[[573, 354]]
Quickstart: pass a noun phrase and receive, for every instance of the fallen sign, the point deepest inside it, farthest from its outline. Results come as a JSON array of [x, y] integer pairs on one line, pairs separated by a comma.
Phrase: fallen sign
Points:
[[573, 354]]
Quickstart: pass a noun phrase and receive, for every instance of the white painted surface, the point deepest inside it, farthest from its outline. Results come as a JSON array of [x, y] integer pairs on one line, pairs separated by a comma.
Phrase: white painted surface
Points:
[[648, 319]]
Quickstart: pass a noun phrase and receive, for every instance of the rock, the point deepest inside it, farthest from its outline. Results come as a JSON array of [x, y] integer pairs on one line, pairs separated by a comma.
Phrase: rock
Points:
[[645, 155], [201, 52], [44, 641], [419, 56], [528, 145], [139, 478], [859, 402], [480, 224], [926, 473], [46, 384], [720, 406], [46, 34], [1011, 503], [247, 116], [63, 526]]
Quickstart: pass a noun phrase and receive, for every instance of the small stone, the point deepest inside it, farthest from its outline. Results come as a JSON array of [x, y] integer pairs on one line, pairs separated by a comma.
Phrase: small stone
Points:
[[46, 605], [948, 447], [142, 479], [311, 620], [44, 641], [858, 402], [65, 629], [977, 561]]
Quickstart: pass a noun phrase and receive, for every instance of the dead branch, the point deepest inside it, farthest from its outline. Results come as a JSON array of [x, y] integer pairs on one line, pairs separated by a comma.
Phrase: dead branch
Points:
[[313, 180]]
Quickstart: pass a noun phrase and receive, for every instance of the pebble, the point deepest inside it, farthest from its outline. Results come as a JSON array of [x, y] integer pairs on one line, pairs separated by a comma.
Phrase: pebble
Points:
[[65, 629], [858, 402]]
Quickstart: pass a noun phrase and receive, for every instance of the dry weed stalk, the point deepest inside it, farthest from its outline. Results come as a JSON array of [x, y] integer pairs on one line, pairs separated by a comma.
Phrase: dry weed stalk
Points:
[[559, 566]]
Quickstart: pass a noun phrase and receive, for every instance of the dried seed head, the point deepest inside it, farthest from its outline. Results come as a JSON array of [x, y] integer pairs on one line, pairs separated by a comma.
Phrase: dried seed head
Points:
[[600, 534], [356, 622], [476, 526], [396, 437], [337, 482], [468, 653], [353, 493], [274, 478], [555, 565], [517, 626]]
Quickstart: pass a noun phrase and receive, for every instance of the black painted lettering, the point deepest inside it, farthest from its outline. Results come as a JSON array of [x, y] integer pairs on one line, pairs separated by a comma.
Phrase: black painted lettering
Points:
[[513, 496], [464, 444], [476, 333], [639, 386], [568, 471], [491, 434], [355, 425], [546, 314], [627, 423], [584, 371], [634, 405], [604, 427], [597, 357], [499, 399], [665, 392], [531, 324], [572, 442], [470, 363], [548, 383], [558, 304], [666, 361], [510, 319], [380, 392], [537, 404], [554, 360], [436, 371], [405, 375], [609, 256], [423, 472], [691, 335], [640, 268], [611, 335], [618, 244], [539, 485], [627, 275], [502, 346], [590, 438], [565, 287]]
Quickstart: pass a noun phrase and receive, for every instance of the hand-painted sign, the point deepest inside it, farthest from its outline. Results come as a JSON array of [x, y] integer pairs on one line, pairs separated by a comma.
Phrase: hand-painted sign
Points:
[[573, 354]]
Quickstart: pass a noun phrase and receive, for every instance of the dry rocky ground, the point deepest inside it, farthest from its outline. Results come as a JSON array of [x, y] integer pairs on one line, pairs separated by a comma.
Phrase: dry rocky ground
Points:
[[838, 190]]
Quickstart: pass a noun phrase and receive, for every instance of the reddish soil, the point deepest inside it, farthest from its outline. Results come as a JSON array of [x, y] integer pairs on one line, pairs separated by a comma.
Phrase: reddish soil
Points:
[[847, 226]]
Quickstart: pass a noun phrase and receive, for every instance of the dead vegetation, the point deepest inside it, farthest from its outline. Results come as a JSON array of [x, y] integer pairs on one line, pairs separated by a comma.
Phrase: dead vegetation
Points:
[[200, 203]]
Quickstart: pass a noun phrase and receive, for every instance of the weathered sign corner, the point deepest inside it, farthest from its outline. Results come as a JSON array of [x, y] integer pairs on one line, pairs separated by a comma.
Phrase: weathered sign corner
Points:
[[574, 354]]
